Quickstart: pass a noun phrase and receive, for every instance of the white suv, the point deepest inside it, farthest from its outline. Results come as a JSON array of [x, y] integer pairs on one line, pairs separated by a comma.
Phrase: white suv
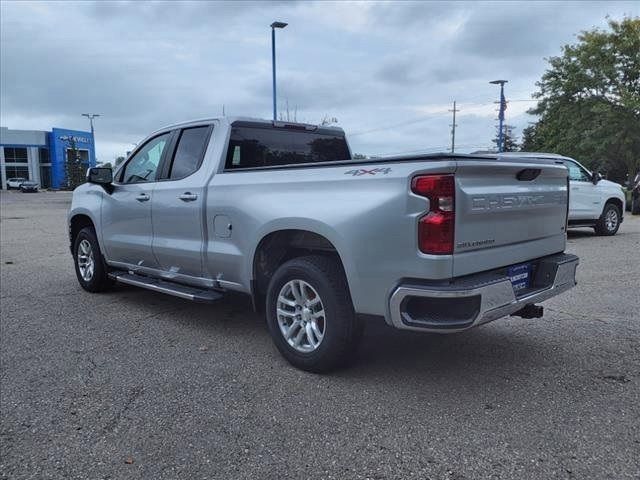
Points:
[[593, 202], [15, 182]]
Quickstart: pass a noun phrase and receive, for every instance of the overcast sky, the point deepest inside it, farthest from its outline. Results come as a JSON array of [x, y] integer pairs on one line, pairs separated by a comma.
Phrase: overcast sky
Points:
[[388, 72]]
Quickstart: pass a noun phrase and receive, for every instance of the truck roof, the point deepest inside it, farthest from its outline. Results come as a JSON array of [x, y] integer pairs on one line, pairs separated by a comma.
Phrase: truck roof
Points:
[[252, 120], [532, 155]]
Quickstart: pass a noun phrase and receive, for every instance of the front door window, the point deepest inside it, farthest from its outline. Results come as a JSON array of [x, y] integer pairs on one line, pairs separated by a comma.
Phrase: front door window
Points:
[[143, 166]]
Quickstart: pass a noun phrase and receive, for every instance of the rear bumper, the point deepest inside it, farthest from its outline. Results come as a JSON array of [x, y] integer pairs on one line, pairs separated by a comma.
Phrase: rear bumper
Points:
[[476, 299]]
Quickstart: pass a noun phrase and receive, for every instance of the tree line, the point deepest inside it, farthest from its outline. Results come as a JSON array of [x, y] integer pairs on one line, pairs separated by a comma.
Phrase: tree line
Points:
[[589, 102]]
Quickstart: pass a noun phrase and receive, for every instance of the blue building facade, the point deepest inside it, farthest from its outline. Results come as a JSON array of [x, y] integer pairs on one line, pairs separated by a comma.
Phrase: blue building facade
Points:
[[41, 156]]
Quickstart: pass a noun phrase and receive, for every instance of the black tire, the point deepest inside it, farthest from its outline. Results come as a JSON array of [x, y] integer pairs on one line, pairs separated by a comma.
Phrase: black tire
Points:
[[99, 281], [606, 227], [635, 206], [342, 330]]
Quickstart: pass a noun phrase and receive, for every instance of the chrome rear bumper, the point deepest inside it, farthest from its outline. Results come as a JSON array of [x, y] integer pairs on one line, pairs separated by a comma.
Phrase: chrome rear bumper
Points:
[[477, 299]]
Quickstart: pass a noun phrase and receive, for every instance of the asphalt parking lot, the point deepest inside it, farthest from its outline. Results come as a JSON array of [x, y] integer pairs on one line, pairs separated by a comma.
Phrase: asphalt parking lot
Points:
[[134, 384]]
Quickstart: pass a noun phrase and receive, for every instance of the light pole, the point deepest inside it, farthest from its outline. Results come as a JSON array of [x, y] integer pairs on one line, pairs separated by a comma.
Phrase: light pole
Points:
[[274, 25], [91, 116], [503, 105]]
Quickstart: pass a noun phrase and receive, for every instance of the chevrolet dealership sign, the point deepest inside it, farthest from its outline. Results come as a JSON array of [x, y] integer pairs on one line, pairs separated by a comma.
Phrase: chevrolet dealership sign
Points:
[[74, 138]]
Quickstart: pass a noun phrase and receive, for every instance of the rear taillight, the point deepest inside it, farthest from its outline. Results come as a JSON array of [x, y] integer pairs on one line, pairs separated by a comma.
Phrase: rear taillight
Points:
[[436, 228]]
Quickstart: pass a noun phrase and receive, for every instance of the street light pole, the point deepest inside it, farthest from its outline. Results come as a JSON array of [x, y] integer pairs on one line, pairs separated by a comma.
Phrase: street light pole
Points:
[[91, 116], [274, 25], [503, 106]]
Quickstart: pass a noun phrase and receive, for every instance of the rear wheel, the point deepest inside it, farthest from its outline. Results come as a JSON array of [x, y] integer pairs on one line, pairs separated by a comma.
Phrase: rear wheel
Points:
[[609, 221], [310, 314], [91, 269]]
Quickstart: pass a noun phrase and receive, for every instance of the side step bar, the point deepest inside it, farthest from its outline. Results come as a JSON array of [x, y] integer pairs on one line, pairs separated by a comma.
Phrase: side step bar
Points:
[[170, 288]]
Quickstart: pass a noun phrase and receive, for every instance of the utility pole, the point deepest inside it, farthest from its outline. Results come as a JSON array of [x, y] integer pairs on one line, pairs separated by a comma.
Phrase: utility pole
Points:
[[91, 116], [503, 106], [453, 128]]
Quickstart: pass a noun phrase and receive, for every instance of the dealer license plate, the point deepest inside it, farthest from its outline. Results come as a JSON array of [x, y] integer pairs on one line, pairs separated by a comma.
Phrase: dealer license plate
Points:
[[520, 276]]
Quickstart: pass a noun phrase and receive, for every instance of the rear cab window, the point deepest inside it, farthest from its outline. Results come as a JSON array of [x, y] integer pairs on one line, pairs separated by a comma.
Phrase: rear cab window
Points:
[[254, 146]]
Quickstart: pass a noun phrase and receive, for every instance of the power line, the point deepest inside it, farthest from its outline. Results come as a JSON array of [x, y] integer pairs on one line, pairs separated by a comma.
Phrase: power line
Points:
[[402, 124], [422, 119]]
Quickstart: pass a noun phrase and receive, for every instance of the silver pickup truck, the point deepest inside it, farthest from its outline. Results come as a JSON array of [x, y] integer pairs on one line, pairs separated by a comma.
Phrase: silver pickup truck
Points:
[[322, 242]]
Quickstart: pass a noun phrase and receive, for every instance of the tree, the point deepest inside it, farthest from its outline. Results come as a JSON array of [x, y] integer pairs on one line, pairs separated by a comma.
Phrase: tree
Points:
[[119, 160], [589, 101], [75, 168], [509, 141]]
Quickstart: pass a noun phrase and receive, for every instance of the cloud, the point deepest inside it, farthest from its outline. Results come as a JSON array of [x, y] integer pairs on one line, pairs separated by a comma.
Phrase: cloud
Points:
[[389, 68]]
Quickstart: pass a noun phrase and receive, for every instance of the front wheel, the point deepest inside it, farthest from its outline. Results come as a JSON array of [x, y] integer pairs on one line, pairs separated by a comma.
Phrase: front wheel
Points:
[[310, 314], [609, 221], [91, 269]]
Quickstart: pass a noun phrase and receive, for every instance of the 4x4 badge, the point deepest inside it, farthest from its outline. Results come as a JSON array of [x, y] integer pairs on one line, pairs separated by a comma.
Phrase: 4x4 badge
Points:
[[362, 171]]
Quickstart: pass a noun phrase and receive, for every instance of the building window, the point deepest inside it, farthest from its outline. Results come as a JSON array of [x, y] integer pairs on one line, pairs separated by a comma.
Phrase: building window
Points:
[[43, 154], [82, 155], [15, 155], [45, 177], [13, 171]]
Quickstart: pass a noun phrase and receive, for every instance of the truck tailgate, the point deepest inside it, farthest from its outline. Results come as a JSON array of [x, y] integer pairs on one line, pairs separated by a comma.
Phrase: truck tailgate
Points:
[[507, 212]]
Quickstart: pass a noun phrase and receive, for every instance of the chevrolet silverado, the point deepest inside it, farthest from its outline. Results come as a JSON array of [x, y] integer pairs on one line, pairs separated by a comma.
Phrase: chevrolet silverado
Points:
[[322, 242]]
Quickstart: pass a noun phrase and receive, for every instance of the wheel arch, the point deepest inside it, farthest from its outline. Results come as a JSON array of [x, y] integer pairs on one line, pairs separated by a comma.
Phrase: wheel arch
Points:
[[279, 246], [617, 202], [77, 222]]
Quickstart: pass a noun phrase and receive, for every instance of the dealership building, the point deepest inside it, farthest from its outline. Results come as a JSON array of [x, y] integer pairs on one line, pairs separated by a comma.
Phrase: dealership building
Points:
[[40, 156]]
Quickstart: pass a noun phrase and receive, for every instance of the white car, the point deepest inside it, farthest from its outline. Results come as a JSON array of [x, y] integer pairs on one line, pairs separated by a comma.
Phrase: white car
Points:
[[15, 182], [593, 201]]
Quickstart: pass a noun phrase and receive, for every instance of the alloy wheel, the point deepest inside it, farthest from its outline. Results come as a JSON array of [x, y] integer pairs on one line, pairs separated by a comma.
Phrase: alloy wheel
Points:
[[301, 316], [86, 262], [611, 220]]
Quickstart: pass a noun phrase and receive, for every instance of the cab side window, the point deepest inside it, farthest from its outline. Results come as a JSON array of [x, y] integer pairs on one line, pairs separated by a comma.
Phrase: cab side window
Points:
[[577, 173], [143, 166], [189, 152]]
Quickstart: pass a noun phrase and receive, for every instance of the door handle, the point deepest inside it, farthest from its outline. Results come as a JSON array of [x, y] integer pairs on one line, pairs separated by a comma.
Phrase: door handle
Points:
[[143, 197], [188, 197]]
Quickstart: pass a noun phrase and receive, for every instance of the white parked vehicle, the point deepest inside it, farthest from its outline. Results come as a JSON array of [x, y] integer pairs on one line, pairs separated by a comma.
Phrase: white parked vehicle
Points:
[[593, 201], [15, 182]]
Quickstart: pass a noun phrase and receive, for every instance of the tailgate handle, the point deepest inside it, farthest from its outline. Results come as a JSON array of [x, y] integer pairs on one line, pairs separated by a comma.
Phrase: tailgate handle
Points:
[[528, 174]]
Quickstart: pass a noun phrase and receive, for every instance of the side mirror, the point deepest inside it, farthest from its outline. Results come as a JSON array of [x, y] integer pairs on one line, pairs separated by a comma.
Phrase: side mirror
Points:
[[596, 177], [101, 176]]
